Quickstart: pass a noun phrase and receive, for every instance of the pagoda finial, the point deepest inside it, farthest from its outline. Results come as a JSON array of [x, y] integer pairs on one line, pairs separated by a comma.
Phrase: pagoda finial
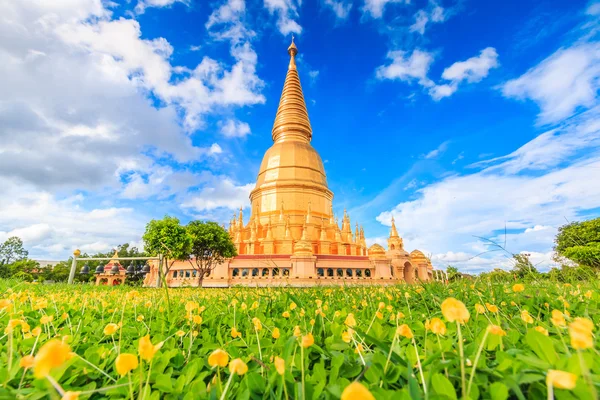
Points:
[[393, 231], [291, 121]]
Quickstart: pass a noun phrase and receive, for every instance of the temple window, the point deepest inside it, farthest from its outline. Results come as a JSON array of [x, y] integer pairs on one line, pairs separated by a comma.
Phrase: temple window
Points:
[[187, 274], [275, 271], [340, 272], [319, 271], [235, 272], [286, 272], [181, 273], [193, 273], [245, 272], [349, 272], [174, 274], [392, 247], [329, 271], [255, 272], [367, 273], [359, 273], [265, 272]]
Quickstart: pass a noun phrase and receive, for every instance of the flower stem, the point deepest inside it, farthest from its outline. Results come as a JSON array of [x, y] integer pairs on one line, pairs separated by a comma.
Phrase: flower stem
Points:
[[226, 387], [476, 361], [302, 365], [462, 361], [420, 368]]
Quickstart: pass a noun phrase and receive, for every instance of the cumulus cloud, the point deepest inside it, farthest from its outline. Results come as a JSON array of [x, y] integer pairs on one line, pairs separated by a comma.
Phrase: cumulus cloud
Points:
[[341, 8], [566, 81], [448, 215], [407, 67], [435, 14], [414, 67], [375, 8], [286, 12], [233, 128], [221, 192], [471, 71], [142, 5]]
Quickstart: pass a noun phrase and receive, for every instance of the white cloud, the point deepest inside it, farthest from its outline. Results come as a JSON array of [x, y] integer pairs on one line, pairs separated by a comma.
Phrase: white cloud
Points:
[[564, 82], [233, 128], [415, 67], [375, 8], [341, 9], [141, 5], [222, 192], [435, 14], [286, 11], [408, 68], [472, 70], [446, 216], [437, 151]]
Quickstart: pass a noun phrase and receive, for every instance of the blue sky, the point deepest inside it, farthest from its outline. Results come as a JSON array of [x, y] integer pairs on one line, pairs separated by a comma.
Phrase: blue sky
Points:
[[460, 118]]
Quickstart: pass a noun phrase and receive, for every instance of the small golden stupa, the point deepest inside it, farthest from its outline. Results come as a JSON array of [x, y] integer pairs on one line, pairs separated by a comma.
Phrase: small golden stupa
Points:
[[293, 236]]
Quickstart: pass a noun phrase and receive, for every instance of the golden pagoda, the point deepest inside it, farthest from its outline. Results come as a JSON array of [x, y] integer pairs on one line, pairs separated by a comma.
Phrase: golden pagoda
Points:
[[293, 236]]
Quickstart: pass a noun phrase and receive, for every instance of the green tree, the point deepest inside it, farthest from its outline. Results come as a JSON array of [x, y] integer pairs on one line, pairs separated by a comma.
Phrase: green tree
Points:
[[12, 250], [453, 273], [167, 237], [211, 245], [523, 267], [580, 242]]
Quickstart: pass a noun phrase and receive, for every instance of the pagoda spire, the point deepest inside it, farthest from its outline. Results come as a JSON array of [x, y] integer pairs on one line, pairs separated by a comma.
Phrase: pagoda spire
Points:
[[291, 121], [393, 231]]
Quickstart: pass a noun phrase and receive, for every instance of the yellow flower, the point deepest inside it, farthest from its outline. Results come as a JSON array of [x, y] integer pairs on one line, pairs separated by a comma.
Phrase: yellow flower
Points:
[[293, 306], [140, 318], [285, 314], [180, 333], [51, 355], [436, 326], [279, 365], [588, 294], [518, 287], [580, 331], [36, 331], [190, 306], [297, 331], [235, 333], [111, 329], [542, 330], [479, 308], [254, 305], [404, 330], [275, 333], [27, 362], [308, 340], [238, 366], [350, 321], [455, 310], [311, 322], [379, 315], [197, 319], [257, 323], [243, 306], [319, 303], [46, 319], [70, 396], [125, 363], [359, 348], [496, 330], [528, 319], [347, 337], [558, 318], [356, 391], [491, 307], [218, 358], [147, 349], [12, 324], [381, 305], [561, 379]]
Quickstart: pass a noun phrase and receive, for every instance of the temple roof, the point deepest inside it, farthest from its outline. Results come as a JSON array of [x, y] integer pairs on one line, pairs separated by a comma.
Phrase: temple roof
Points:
[[291, 121]]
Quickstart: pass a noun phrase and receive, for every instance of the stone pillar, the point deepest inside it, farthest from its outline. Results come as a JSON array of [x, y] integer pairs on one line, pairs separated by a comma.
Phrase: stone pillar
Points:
[[304, 266], [382, 268], [422, 272]]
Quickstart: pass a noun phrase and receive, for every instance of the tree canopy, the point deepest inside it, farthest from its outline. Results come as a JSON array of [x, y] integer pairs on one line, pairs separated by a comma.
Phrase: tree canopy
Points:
[[12, 250], [580, 242], [210, 245]]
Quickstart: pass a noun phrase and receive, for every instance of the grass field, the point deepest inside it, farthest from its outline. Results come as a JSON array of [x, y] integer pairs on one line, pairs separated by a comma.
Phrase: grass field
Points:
[[464, 340]]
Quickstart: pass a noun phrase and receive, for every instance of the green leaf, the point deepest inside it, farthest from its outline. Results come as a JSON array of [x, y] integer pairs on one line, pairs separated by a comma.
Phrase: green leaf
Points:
[[442, 386], [542, 346], [498, 391]]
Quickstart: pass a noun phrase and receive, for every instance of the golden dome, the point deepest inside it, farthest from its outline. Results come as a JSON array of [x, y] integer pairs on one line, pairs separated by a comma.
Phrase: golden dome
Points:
[[376, 250], [303, 248], [418, 256]]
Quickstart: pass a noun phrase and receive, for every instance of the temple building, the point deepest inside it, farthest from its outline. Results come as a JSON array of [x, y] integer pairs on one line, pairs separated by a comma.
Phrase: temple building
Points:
[[293, 236]]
